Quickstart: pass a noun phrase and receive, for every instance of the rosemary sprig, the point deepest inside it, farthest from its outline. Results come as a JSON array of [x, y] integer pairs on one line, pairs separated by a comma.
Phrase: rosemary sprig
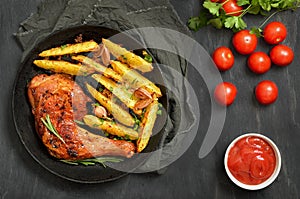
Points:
[[79, 122], [51, 128], [93, 161]]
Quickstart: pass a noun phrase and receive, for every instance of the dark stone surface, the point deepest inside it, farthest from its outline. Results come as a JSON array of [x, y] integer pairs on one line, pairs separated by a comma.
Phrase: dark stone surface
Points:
[[189, 176]]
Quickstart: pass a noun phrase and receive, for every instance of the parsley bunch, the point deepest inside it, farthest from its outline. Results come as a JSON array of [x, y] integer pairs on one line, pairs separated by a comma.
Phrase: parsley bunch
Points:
[[214, 15]]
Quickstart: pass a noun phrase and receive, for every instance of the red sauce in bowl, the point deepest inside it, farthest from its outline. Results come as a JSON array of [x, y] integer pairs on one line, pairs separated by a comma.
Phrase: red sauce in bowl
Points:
[[251, 160]]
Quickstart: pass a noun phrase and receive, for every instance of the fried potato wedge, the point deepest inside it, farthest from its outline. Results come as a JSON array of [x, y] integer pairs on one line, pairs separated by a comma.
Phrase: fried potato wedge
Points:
[[147, 125], [125, 95], [70, 49], [125, 56], [118, 112], [135, 79], [64, 67], [110, 127], [108, 72]]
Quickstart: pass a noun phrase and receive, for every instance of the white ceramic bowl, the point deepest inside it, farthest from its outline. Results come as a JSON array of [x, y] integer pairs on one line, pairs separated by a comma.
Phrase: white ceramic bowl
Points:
[[270, 179]]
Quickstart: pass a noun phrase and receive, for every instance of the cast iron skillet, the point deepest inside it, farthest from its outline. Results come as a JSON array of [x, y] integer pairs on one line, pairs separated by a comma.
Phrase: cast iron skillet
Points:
[[24, 120]]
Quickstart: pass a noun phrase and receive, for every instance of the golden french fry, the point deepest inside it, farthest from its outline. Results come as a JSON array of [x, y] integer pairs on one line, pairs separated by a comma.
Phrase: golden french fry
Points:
[[70, 49], [98, 67], [126, 96], [63, 67], [125, 56], [110, 127], [147, 125], [135, 79], [119, 114]]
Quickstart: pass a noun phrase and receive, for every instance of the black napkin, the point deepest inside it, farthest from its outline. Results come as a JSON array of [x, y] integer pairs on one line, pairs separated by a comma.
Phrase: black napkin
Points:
[[53, 15]]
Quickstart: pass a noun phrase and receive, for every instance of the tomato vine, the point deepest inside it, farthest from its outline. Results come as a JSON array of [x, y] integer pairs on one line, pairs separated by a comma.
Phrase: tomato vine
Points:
[[215, 15]]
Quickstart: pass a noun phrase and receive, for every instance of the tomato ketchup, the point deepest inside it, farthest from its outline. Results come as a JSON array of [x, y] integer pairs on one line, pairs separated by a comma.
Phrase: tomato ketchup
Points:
[[251, 160]]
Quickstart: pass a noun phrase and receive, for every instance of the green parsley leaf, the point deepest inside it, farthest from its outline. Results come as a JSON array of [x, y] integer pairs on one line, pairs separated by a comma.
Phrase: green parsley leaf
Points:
[[243, 2], [283, 4], [214, 8], [256, 31], [255, 2], [235, 22], [265, 5], [217, 23], [254, 10], [195, 23]]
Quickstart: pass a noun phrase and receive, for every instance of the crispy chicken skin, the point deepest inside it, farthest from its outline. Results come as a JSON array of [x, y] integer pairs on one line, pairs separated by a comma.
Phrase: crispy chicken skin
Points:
[[64, 101]]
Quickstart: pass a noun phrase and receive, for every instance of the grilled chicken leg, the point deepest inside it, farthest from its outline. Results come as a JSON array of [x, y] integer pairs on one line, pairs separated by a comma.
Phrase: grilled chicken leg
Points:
[[64, 101]]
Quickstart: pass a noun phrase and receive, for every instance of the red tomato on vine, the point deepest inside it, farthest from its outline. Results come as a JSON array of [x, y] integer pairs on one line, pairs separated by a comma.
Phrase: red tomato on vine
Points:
[[275, 32], [244, 42]]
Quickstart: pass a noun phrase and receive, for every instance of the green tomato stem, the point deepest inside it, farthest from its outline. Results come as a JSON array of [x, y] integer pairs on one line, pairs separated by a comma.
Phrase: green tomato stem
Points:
[[269, 17], [245, 11]]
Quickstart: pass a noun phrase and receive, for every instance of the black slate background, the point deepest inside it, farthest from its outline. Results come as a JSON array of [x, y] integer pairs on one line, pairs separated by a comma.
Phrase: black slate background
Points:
[[189, 177]]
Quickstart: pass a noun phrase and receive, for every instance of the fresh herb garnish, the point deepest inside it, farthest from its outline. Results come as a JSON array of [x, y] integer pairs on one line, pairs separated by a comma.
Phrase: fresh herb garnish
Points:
[[96, 125], [159, 112], [160, 106], [137, 123], [100, 89], [106, 134], [136, 127], [214, 14], [127, 137], [96, 104], [113, 122], [94, 161], [134, 81], [148, 58], [101, 121], [63, 46], [51, 128], [79, 122]]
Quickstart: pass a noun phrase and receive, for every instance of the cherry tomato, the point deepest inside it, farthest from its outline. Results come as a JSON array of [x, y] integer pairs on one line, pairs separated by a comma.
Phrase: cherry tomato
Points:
[[281, 55], [232, 8], [259, 62], [275, 32], [266, 92], [215, 1], [244, 42], [223, 58], [225, 93]]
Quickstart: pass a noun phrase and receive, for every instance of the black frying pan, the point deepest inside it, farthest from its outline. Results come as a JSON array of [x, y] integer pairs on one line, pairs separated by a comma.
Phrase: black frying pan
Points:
[[24, 120]]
